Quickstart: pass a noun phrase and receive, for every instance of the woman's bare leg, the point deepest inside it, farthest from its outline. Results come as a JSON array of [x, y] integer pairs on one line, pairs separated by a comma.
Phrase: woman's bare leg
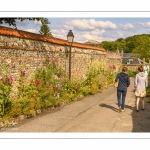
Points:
[[143, 102], [137, 103]]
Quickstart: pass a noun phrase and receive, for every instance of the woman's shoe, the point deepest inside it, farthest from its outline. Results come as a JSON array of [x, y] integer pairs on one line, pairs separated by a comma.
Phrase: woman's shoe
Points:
[[137, 110], [122, 110], [143, 109]]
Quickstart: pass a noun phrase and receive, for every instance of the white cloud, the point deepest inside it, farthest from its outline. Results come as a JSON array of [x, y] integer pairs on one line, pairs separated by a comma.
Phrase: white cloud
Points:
[[97, 32], [119, 34], [22, 23], [145, 25], [113, 35], [31, 30], [85, 24], [37, 22], [126, 27], [83, 29], [106, 25]]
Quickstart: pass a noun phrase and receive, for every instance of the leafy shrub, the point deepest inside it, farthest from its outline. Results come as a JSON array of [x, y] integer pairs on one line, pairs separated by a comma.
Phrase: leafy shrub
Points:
[[5, 86], [86, 90], [131, 73]]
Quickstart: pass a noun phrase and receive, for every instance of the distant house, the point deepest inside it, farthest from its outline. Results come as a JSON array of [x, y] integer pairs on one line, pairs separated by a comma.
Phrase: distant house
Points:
[[131, 57]]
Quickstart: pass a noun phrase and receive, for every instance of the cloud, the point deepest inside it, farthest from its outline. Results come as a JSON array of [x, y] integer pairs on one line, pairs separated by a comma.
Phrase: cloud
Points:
[[24, 23], [38, 23], [126, 27], [105, 25], [91, 29], [97, 32], [145, 25], [83, 29], [85, 24], [113, 35], [31, 30]]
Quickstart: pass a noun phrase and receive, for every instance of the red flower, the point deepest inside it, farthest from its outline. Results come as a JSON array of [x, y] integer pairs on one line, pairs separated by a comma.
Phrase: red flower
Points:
[[23, 73], [37, 83]]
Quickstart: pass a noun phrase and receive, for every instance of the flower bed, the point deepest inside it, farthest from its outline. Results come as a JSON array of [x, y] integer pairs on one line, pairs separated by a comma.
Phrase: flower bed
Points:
[[48, 88]]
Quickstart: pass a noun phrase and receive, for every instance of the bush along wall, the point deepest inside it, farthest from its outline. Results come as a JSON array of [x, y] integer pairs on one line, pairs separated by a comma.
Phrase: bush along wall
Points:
[[49, 87], [148, 90]]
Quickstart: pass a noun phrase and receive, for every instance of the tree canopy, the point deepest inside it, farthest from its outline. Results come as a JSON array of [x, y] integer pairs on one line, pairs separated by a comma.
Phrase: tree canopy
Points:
[[12, 21], [44, 30], [139, 44]]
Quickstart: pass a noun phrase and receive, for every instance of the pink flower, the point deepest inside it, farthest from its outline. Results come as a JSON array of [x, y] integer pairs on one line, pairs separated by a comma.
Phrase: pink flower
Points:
[[114, 67], [10, 79], [1, 77], [110, 67]]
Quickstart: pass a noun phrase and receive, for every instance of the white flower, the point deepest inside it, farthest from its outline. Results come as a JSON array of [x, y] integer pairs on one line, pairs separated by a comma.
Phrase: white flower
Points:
[[8, 61]]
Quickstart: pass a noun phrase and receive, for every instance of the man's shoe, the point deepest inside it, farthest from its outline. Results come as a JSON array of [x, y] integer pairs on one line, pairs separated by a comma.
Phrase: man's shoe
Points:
[[119, 108]]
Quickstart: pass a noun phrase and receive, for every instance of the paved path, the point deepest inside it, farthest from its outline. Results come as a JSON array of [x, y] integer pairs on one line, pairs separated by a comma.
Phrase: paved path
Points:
[[96, 113]]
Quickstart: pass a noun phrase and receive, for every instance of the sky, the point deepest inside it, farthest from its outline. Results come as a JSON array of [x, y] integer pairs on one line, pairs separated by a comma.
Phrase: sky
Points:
[[85, 29]]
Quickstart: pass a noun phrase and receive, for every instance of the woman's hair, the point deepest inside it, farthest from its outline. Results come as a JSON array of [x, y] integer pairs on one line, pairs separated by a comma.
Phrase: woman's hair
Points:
[[124, 69], [140, 69]]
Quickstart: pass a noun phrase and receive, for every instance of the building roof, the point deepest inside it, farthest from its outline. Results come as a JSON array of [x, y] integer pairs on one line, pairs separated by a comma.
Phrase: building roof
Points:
[[33, 36], [128, 55], [132, 60]]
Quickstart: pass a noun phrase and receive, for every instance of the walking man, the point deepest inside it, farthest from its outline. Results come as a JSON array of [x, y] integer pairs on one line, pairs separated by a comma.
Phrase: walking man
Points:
[[124, 82]]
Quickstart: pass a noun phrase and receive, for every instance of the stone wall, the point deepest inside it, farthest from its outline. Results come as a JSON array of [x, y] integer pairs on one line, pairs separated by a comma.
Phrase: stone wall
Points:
[[132, 67], [29, 55]]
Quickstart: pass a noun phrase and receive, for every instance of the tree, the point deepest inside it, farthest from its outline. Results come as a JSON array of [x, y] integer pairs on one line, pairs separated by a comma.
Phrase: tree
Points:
[[119, 40], [12, 21], [44, 30], [142, 46]]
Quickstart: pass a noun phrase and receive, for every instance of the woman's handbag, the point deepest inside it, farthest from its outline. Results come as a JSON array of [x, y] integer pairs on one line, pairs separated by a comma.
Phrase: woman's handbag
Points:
[[116, 84]]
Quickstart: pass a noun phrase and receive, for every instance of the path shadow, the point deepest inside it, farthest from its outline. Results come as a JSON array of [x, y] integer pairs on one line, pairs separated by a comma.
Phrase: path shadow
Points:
[[141, 119], [108, 106], [114, 108]]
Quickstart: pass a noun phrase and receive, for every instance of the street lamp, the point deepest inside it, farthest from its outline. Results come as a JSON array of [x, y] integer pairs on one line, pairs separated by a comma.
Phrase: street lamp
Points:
[[70, 38]]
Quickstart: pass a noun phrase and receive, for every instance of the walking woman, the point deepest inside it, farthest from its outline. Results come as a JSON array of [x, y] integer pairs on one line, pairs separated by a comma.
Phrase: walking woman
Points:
[[140, 84]]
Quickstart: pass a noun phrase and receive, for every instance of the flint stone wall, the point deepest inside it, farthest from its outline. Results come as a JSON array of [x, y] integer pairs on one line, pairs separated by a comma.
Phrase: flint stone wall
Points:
[[29, 55]]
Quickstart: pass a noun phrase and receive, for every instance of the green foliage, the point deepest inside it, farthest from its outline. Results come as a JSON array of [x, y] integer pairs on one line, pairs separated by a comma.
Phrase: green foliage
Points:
[[12, 21], [15, 109], [148, 90], [50, 87], [142, 46], [28, 96], [114, 45], [132, 73], [5, 86], [44, 30], [139, 44], [86, 90]]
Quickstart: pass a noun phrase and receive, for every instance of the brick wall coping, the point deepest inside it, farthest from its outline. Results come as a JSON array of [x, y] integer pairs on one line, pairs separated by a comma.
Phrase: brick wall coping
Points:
[[33, 36]]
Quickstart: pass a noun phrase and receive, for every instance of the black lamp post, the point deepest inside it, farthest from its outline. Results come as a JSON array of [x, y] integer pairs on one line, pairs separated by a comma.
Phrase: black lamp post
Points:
[[70, 38]]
